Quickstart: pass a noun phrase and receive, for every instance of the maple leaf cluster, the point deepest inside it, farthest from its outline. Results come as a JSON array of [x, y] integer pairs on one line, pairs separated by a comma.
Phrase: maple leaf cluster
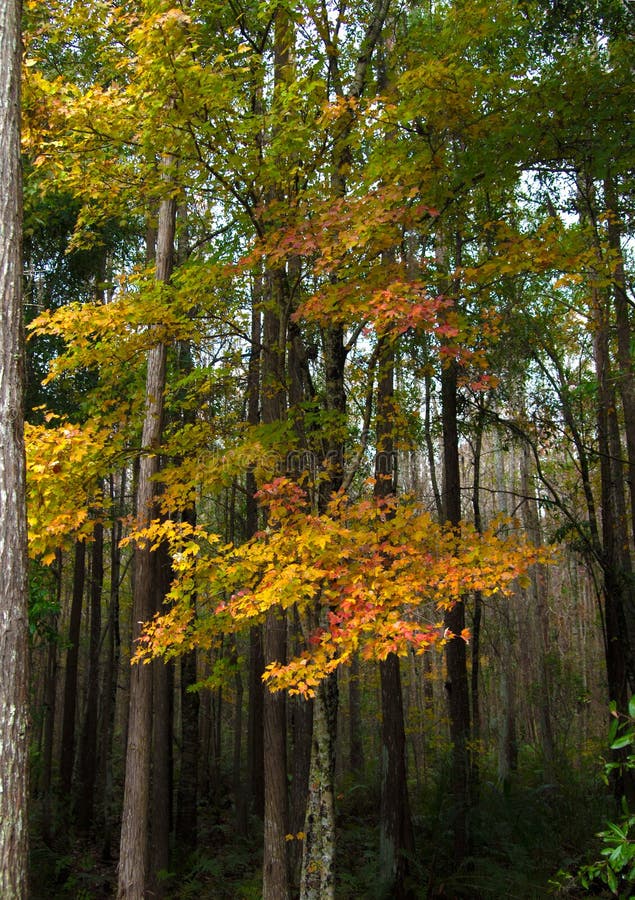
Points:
[[373, 576]]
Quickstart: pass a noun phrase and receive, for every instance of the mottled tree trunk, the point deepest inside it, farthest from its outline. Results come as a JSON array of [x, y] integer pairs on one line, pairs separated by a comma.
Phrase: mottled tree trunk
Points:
[[317, 881], [13, 534]]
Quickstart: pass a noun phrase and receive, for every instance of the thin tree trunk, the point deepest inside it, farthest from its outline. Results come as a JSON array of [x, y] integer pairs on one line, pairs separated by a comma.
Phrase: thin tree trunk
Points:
[[50, 705], [454, 622], [396, 839], [133, 857], [111, 668], [476, 617], [240, 795], [275, 865], [356, 743], [255, 755], [162, 708], [87, 764], [70, 676], [624, 332], [539, 621], [187, 797]]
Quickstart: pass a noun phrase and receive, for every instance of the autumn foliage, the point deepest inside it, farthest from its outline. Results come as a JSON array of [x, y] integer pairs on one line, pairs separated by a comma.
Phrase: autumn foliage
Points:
[[381, 571]]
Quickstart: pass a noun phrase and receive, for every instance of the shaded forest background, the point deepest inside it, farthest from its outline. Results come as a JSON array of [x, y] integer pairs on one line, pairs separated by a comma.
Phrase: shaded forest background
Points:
[[279, 253]]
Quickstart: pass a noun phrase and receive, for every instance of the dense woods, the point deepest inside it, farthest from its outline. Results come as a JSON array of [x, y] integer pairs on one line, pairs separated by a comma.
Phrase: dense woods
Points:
[[330, 439]]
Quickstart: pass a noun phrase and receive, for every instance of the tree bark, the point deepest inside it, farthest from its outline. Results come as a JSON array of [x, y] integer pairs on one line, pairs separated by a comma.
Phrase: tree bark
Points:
[[162, 709], [133, 857], [111, 667], [454, 622], [396, 839], [624, 333], [87, 763], [275, 865], [317, 880], [255, 755], [70, 676], [13, 522]]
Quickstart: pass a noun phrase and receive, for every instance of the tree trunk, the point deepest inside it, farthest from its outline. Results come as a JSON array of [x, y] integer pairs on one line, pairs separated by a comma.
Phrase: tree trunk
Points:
[[626, 375], [477, 616], [50, 706], [70, 676], [275, 865], [454, 622], [538, 621], [396, 840], [187, 796], [133, 857], [87, 763], [13, 522], [162, 709], [317, 880], [619, 663], [111, 668], [356, 743]]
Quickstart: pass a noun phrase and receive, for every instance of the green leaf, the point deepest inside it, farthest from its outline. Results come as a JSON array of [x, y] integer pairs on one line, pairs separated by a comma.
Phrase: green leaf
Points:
[[625, 740]]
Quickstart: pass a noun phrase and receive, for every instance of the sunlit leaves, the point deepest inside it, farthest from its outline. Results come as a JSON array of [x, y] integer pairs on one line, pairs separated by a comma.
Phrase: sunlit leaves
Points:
[[373, 566], [65, 463]]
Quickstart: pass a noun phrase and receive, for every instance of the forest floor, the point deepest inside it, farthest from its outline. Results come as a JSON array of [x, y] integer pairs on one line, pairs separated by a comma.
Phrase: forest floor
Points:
[[522, 836]]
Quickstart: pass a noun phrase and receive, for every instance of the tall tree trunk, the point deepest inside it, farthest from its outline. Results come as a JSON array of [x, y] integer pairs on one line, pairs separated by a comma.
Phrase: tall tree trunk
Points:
[[13, 523], [187, 796], [539, 620], [396, 839], [619, 662], [356, 743], [87, 763], [70, 676], [317, 880], [50, 705], [477, 616], [111, 668], [624, 332], [133, 857], [454, 622], [457, 685], [275, 865], [162, 708], [255, 756]]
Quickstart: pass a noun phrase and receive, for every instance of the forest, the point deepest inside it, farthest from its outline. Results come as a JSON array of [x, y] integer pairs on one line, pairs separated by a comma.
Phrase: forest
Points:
[[329, 442]]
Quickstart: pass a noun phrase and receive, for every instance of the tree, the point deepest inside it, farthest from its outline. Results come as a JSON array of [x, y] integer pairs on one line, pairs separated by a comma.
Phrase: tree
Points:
[[13, 529], [134, 873]]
